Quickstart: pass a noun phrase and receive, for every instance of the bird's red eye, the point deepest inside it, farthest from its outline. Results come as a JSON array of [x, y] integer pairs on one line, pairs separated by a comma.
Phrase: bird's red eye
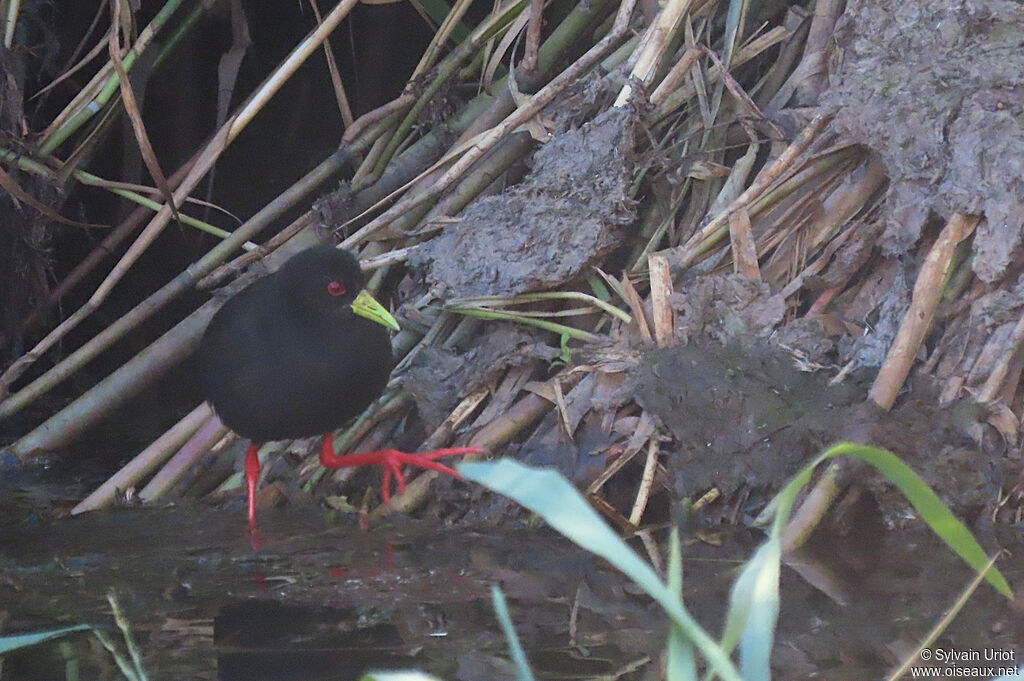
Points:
[[336, 288]]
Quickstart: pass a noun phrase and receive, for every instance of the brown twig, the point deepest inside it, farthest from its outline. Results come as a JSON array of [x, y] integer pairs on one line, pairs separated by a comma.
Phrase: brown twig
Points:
[[918, 319]]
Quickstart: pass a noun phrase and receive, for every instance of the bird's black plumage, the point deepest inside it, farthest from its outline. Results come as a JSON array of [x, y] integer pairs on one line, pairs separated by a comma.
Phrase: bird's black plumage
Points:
[[287, 357]]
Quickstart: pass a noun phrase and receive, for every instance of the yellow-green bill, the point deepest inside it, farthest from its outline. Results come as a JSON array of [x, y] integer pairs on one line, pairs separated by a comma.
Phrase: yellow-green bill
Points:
[[365, 306]]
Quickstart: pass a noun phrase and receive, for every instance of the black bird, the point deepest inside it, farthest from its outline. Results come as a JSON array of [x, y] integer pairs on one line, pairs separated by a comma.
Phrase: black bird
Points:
[[299, 353]]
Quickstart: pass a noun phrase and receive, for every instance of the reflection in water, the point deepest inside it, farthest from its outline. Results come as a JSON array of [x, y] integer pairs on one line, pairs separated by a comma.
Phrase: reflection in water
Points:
[[327, 601]]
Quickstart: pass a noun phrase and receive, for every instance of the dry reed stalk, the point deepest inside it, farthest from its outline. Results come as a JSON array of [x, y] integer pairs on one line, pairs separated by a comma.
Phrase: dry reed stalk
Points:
[[684, 255], [652, 48], [198, 445], [813, 509], [146, 461], [646, 483], [654, 552], [675, 76], [744, 250], [501, 429], [661, 289], [440, 37], [637, 307], [918, 318], [332, 66], [131, 107]]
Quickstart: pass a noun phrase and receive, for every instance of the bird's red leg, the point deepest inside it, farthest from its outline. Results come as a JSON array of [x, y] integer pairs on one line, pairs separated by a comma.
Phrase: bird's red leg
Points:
[[392, 461], [252, 476]]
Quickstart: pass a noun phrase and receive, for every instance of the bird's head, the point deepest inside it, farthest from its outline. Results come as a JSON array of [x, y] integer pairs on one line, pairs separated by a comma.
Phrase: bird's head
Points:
[[328, 281]]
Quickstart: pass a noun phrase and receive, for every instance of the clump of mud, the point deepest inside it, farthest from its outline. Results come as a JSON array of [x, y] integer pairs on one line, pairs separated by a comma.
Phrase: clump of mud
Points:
[[746, 420], [937, 88], [547, 229]]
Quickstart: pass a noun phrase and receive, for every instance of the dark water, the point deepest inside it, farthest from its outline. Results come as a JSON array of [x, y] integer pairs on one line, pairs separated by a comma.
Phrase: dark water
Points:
[[329, 601]]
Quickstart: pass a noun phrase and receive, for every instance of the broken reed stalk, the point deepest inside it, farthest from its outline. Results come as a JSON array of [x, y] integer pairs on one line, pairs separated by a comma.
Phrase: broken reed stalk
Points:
[[744, 249], [652, 49], [661, 307], [646, 483], [918, 318]]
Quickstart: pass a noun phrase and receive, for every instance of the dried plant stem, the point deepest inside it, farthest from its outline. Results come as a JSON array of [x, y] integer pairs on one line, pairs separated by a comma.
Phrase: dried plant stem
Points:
[[995, 380], [813, 509], [918, 319], [652, 48], [675, 75], [200, 443], [147, 460], [646, 483], [637, 306], [744, 250], [685, 254], [661, 289]]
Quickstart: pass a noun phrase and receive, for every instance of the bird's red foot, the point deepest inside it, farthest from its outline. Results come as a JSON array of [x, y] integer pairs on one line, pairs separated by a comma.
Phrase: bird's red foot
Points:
[[392, 461]]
